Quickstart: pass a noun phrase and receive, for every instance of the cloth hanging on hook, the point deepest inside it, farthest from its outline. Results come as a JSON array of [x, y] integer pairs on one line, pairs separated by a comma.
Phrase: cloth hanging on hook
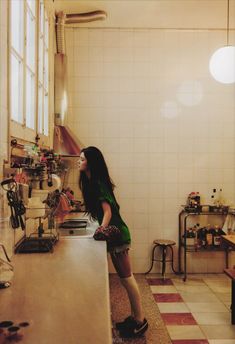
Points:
[[63, 207]]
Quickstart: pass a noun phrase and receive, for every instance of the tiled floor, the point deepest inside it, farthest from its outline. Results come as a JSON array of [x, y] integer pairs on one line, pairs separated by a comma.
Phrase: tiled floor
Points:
[[196, 311]]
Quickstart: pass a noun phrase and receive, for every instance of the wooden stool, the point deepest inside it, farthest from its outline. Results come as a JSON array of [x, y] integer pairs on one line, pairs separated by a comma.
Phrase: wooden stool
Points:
[[163, 245]]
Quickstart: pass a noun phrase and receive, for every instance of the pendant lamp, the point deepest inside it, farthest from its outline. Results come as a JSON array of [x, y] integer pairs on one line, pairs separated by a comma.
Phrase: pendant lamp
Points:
[[222, 62]]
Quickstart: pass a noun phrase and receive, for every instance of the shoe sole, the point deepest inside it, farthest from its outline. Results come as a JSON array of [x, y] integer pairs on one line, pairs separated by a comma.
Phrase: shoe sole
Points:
[[128, 334]]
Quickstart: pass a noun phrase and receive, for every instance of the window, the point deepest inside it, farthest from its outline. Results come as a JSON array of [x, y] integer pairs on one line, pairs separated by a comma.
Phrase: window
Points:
[[29, 43], [43, 73], [30, 63], [17, 59]]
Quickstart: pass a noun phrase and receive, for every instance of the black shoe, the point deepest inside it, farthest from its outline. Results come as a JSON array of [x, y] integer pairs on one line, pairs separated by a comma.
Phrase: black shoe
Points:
[[124, 324], [135, 329]]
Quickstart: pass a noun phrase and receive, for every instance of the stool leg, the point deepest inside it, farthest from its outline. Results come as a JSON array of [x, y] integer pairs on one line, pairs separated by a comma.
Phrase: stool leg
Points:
[[172, 259], [164, 261], [153, 253]]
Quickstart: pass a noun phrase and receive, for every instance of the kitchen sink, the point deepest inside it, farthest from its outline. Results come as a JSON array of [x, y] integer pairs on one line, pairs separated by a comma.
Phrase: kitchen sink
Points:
[[81, 227], [74, 223]]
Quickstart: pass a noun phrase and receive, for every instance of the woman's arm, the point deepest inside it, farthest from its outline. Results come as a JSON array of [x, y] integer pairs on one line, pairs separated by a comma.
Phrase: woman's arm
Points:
[[107, 214]]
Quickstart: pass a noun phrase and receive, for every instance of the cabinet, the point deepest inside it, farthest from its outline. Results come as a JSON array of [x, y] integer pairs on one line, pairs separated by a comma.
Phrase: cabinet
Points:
[[184, 247]]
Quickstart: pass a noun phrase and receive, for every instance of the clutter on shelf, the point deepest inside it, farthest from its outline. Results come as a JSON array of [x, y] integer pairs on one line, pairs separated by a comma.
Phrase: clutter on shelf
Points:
[[217, 203], [204, 237]]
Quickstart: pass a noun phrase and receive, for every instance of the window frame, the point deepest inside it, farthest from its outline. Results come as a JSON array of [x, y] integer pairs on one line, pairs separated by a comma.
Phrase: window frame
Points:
[[19, 129]]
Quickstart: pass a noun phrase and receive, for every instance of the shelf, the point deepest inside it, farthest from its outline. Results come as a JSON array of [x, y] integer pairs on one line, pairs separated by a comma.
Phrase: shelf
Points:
[[184, 247], [204, 212], [191, 248], [202, 249], [212, 210]]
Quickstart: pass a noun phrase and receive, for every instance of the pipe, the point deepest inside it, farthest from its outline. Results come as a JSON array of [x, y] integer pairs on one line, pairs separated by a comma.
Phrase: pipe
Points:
[[60, 39], [85, 17], [63, 19]]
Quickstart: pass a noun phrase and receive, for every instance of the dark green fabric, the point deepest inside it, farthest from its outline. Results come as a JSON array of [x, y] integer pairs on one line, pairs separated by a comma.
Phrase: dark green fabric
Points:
[[116, 220]]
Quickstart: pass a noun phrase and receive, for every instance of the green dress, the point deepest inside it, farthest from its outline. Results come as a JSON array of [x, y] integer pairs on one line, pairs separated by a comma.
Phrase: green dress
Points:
[[116, 220]]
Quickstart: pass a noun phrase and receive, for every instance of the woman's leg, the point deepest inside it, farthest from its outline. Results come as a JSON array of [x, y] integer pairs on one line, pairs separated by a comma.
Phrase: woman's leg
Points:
[[121, 262], [132, 289]]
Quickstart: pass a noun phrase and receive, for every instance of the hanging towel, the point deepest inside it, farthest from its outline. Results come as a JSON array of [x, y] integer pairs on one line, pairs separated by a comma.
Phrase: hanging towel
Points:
[[229, 223], [63, 207]]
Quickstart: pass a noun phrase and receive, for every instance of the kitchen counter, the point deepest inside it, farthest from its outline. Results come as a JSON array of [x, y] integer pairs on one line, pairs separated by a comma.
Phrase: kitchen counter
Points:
[[63, 295]]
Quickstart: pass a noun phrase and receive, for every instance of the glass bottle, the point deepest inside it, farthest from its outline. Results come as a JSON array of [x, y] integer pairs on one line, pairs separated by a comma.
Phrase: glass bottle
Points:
[[209, 235], [216, 237]]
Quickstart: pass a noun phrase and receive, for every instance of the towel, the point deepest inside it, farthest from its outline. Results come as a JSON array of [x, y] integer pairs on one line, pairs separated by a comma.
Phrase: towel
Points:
[[229, 224], [63, 207]]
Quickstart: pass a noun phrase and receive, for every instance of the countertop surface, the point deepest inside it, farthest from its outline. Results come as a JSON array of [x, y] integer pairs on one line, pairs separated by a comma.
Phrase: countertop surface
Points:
[[63, 295]]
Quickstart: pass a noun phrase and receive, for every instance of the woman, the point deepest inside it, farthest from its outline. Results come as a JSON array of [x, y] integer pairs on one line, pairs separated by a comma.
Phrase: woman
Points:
[[100, 202]]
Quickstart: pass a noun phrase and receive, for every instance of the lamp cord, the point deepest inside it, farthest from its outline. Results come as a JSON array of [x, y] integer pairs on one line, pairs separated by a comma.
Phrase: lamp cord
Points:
[[228, 23]]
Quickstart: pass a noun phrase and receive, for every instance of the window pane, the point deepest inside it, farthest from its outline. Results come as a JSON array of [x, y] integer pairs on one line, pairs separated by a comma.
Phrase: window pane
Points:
[[46, 71], [43, 72], [32, 5], [46, 31], [17, 22], [41, 17], [30, 99], [16, 89], [40, 109], [46, 117], [40, 62], [31, 42]]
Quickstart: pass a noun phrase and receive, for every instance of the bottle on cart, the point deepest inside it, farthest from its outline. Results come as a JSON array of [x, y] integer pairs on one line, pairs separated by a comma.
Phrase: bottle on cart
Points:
[[217, 236], [190, 237], [202, 237], [209, 235], [196, 236]]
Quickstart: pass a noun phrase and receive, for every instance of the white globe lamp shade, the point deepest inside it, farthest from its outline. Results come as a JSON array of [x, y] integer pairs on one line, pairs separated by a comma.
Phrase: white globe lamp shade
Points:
[[222, 65]]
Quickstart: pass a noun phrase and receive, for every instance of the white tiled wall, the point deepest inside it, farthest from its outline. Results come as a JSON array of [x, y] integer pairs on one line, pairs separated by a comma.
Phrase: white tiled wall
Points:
[[166, 128]]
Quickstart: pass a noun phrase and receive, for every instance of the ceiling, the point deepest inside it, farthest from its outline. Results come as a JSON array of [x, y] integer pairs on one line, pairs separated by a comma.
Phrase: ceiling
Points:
[[182, 14]]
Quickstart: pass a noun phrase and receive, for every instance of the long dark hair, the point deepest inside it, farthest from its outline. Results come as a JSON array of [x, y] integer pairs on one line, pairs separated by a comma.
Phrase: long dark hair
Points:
[[98, 173]]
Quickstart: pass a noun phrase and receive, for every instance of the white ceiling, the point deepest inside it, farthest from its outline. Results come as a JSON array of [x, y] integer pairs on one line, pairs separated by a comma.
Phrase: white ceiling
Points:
[[195, 14]]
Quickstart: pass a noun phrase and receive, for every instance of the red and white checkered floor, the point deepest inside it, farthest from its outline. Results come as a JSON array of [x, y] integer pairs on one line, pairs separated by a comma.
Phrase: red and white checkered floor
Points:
[[196, 311]]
